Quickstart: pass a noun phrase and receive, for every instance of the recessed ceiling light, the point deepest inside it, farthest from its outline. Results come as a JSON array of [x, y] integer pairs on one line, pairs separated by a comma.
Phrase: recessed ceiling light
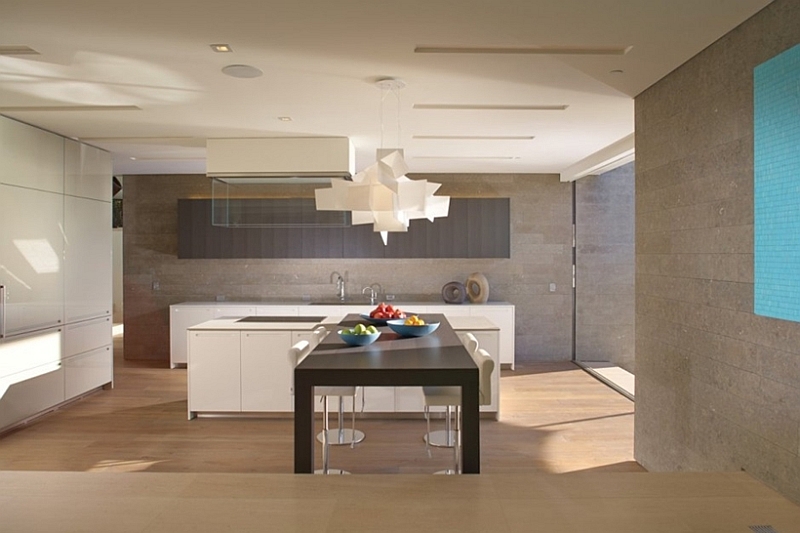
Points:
[[551, 50], [222, 48], [475, 137], [285, 119], [17, 50], [482, 107], [242, 71], [132, 158]]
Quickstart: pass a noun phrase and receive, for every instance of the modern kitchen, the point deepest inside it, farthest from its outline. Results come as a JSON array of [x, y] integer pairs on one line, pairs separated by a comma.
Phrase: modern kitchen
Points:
[[527, 246]]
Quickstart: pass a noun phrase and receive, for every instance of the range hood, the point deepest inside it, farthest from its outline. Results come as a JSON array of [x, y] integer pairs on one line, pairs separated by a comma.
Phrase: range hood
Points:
[[280, 158]]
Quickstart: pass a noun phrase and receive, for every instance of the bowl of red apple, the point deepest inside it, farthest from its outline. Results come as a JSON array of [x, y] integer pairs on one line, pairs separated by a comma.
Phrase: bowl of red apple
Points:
[[382, 313]]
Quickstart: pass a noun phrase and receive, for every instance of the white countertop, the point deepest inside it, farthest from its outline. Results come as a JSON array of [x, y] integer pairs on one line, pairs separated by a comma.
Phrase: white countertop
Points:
[[234, 324]]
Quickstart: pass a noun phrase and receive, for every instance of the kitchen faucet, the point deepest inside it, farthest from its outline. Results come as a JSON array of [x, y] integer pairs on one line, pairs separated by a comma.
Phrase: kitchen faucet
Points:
[[372, 294], [339, 284]]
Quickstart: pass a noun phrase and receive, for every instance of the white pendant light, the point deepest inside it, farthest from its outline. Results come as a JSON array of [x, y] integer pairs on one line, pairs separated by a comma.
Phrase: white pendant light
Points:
[[382, 194]]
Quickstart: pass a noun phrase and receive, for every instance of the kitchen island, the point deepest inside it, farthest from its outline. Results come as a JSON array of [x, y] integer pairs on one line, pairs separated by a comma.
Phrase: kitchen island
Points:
[[240, 367], [187, 314]]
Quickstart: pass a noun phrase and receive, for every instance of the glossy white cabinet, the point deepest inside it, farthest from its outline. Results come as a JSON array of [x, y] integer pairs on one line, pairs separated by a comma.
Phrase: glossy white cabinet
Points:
[[31, 157], [88, 335], [87, 171], [266, 376], [31, 374], [55, 253], [88, 356], [87, 258], [88, 371], [31, 255]]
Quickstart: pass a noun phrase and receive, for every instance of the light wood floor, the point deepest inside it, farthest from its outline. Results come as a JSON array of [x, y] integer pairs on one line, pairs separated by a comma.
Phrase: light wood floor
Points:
[[554, 418], [559, 460]]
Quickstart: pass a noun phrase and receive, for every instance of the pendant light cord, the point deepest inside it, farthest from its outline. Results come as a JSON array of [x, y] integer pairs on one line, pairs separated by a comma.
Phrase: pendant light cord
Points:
[[383, 98]]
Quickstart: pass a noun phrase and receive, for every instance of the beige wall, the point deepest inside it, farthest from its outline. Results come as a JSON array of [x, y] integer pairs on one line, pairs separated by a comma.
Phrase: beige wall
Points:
[[717, 387], [541, 253], [604, 284]]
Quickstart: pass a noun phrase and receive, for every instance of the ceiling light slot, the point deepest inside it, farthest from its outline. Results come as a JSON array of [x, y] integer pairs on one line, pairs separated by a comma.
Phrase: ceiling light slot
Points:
[[525, 50], [491, 107], [17, 50], [474, 137]]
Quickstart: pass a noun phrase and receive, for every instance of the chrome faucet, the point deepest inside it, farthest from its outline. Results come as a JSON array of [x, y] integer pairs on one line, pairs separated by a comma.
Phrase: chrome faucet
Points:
[[373, 296], [339, 284]]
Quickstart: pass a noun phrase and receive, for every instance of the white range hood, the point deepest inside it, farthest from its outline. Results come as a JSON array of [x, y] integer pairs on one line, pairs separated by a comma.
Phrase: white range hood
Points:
[[280, 157]]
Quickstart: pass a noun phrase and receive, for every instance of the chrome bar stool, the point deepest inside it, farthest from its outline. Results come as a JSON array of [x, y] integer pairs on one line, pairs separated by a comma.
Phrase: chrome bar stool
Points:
[[442, 395], [297, 353], [446, 438], [340, 435]]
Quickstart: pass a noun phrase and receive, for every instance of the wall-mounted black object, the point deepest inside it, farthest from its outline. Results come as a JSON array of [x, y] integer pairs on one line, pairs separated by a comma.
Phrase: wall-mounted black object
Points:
[[475, 228]]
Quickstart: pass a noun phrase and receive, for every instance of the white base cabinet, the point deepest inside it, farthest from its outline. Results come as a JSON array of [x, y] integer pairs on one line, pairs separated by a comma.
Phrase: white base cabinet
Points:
[[248, 371], [266, 376], [214, 372], [240, 371]]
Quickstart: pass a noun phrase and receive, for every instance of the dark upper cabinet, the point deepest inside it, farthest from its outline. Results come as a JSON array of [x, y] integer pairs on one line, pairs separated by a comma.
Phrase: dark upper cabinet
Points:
[[475, 228]]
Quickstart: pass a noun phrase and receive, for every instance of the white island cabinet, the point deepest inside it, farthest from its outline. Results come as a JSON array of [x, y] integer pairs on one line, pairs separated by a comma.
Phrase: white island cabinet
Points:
[[240, 368]]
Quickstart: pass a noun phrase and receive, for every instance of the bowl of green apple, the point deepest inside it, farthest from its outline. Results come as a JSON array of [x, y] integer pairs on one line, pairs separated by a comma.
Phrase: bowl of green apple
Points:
[[360, 335]]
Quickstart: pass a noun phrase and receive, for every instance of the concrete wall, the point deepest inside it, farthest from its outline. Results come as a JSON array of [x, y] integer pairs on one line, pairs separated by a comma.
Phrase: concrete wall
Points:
[[717, 387], [541, 242], [117, 255], [604, 288]]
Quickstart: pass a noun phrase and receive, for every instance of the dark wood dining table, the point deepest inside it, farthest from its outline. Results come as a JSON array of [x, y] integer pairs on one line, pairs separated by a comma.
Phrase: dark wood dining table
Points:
[[435, 359]]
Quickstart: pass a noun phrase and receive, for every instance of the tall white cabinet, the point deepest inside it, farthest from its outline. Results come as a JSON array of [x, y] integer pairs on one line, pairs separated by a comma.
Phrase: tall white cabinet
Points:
[[55, 252]]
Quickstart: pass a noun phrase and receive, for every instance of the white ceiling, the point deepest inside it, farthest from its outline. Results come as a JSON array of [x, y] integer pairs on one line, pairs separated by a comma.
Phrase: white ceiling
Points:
[[321, 59]]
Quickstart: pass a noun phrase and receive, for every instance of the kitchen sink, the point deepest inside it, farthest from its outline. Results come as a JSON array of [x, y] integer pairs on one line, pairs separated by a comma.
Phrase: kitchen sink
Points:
[[341, 302]]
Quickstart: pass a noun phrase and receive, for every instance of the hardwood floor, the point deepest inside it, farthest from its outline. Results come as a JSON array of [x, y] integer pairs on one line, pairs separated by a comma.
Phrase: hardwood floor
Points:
[[554, 418], [127, 460]]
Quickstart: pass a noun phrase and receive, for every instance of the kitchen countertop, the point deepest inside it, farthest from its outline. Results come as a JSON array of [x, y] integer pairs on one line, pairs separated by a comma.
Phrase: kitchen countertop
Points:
[[458, 323], [235, 324], [397, 302]]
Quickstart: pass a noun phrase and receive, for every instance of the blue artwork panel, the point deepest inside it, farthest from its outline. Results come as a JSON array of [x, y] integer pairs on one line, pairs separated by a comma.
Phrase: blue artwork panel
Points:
[[777, 186]]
